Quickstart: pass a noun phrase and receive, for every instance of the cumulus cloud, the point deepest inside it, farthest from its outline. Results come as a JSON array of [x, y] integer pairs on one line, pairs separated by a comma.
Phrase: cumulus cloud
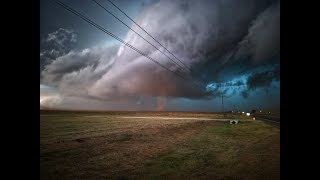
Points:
[[217, 39], [56, 44], [76, 61]]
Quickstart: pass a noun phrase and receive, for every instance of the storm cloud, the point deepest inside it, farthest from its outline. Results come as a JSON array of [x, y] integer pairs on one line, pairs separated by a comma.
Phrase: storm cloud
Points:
[[218, 40], [262, 79]]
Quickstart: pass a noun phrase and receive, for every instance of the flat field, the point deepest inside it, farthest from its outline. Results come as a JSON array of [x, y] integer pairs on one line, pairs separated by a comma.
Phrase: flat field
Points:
[[104, 145]]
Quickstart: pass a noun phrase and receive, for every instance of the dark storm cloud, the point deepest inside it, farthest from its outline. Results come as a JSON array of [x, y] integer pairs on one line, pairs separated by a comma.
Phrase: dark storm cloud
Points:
[[239, 83], [219, 40], [192, 36], [259, 46], [245, 93], [259, 80], [263, 38], [276, 73], [231, 84], [262, 79]]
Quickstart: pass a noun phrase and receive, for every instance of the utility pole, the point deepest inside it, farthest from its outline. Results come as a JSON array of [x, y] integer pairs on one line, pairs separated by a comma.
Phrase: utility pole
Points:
[[222, 104]]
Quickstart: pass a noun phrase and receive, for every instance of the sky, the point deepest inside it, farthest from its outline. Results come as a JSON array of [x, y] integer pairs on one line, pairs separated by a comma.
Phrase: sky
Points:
[[228, 48]]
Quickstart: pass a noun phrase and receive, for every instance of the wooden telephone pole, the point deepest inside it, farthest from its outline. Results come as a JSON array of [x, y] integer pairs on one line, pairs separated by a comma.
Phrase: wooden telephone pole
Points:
[[222, 104]]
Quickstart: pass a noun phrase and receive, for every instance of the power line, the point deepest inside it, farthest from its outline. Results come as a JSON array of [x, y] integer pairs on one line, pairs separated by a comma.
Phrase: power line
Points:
[[137, 33], [148, 33], [117, 38]]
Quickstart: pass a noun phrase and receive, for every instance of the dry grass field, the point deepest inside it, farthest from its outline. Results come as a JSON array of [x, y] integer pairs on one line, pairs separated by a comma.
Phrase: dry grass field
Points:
[[99, 145]]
